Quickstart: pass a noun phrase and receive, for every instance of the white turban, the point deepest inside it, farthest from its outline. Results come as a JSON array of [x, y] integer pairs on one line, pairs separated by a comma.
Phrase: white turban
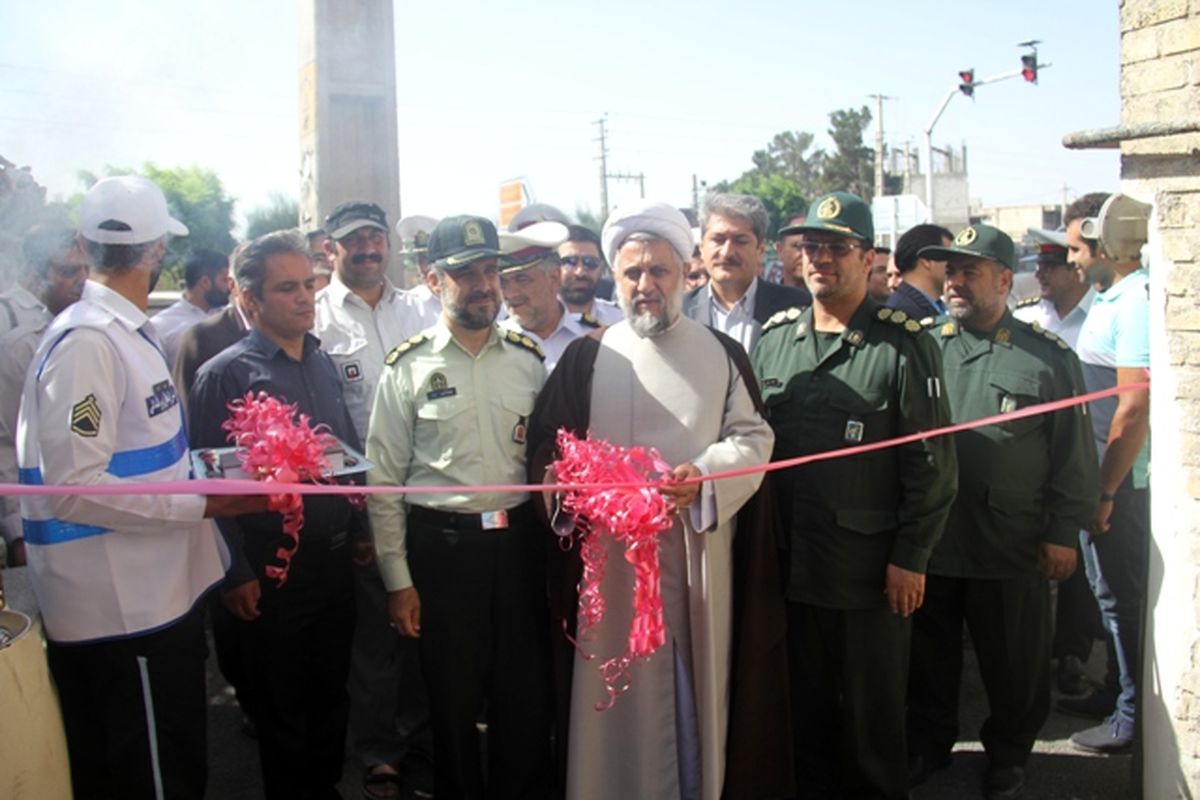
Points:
[[645, 216]]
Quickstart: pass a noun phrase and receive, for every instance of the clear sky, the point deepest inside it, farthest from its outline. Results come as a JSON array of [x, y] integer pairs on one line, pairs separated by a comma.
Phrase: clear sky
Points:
[[489, 91]]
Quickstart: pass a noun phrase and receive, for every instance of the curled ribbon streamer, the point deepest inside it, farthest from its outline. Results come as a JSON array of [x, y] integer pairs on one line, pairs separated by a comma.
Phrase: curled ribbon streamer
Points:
[[633, 516], [236, 487], [277, 445]]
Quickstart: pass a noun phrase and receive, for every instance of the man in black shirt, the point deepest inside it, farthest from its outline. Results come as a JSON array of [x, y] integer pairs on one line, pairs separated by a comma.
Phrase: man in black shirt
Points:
[[295, 638]]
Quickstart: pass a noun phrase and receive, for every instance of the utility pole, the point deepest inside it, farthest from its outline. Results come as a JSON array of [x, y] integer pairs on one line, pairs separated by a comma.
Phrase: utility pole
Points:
[[629, 176], [695, 194], [603, 169], [879, 98]]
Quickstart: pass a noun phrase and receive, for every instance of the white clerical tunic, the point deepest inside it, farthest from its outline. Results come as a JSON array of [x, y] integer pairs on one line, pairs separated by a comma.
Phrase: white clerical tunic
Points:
[[665, 737]]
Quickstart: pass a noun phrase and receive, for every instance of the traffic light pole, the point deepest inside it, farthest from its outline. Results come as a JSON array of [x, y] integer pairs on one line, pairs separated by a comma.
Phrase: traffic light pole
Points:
[[1003, 76]]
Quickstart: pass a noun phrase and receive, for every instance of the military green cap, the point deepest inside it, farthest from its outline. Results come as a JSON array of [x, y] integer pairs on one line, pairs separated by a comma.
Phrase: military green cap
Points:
[[838, 212], [456, 242], [980, 241]]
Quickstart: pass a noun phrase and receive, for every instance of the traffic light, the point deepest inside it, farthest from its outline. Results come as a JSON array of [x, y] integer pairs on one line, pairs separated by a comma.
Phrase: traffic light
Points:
[[967, 85], [1029, 66]]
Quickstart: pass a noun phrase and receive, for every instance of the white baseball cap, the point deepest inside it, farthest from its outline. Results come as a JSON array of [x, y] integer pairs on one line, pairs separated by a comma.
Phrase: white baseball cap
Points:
[[126, 209]]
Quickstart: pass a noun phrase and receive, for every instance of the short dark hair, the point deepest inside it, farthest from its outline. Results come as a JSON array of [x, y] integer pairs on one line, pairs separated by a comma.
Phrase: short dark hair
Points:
[[250, 261], [913, 240], [117, 257], [580, 233], [203, 263], [1087, 206], [882, 251], [43, 244]]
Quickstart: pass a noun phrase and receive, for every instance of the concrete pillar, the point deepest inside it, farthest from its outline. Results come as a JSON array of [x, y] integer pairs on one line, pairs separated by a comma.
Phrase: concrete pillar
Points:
[[348, 140]]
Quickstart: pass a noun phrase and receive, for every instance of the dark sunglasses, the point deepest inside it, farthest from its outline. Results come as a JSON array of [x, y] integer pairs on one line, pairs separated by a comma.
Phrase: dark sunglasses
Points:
[[590, 263]]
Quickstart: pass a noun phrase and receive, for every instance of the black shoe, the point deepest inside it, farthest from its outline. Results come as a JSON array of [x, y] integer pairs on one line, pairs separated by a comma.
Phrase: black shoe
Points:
[[1004, 783], [1096, 705], [922, 765], [1071, 679], [1109, 737]]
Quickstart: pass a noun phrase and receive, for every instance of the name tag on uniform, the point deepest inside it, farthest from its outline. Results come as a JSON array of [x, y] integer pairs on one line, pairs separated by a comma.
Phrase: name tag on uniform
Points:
[[494, 520], [854, 431]]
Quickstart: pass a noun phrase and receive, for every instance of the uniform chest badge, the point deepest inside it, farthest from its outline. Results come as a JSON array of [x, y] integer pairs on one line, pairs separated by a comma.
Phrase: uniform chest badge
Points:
[[1008, 404], [85, 417], [438, 387], [164, 399], [519, 430], [854, 431], [352, 372]]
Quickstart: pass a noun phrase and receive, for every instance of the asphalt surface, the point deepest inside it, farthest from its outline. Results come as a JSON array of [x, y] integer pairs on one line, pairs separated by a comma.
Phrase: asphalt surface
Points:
[[1056, 771]]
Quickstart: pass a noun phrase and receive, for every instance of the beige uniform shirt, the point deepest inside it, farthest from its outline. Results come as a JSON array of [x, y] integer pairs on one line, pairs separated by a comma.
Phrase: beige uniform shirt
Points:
[[443, 417]]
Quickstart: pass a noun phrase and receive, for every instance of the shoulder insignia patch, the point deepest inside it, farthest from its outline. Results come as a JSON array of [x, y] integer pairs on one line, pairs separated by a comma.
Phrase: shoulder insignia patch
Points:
[[883, 313], [525, 343], [401, 349], [1037, 326], [1026, 302], [949, 329], [898, 315], [587, 319], [927, 322], [912, 326], [900, 319], [85, 417], [1054, 337], [781, 318]]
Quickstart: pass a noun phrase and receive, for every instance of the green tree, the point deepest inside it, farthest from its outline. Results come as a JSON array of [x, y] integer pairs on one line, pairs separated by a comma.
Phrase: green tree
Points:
[[280, 213], [589, 219], [851, 166], [788, 155]]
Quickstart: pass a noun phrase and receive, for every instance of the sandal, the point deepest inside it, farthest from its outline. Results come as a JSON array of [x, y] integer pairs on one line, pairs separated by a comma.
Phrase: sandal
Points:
[[382, 785]]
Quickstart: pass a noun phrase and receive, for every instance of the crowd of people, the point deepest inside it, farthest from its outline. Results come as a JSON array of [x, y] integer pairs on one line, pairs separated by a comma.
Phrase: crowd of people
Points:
[[813, 616]]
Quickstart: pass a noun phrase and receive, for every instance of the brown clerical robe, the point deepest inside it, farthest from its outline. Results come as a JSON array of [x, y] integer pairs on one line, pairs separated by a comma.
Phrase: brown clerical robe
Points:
[[758, 744]]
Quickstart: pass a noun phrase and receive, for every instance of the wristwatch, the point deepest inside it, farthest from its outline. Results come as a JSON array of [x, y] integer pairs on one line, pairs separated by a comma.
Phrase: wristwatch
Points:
[[1105, 497]]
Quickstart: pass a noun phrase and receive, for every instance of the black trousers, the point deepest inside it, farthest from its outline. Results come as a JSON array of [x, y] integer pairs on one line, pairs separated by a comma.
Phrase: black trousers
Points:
[[1009, 621], [296, 660], [1077, 622], [849, 671], [134, 712], [484, 644]]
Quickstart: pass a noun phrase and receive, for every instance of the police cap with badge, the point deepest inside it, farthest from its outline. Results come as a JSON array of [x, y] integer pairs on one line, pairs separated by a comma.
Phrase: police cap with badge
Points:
[[458, 242], [838, 212], [350, 216], [976, 241]]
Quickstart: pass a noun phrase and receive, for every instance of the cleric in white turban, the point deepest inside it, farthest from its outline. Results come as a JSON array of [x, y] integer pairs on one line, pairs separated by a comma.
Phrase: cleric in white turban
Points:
[[697, 719]]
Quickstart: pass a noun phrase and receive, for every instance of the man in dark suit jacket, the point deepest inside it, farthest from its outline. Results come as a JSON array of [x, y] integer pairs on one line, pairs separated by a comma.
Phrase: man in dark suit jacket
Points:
[[204, 340], [920, 291], [736, 301]]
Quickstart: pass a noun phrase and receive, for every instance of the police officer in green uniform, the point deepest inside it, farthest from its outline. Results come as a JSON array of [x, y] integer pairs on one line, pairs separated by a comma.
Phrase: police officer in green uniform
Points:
[[1025, 489], [841, 373], [464, 572]]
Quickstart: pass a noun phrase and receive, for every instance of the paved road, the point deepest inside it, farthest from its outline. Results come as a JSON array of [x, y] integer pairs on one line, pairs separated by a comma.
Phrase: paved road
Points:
[[1056, 772]]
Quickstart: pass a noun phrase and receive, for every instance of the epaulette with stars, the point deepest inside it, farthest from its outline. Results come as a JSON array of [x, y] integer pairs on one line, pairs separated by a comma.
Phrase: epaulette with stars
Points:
[[587, 319], [781, 318], [903, 320], [405, 347], [525, 343], [1026, 302], [1054, 337]]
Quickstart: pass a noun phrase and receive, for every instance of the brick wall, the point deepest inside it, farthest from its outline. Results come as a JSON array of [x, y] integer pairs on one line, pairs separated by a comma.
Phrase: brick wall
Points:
[[1160, 82]]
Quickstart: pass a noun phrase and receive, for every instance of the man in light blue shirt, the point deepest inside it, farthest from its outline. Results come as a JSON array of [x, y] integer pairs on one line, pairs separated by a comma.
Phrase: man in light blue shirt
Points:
[[1114, 350]]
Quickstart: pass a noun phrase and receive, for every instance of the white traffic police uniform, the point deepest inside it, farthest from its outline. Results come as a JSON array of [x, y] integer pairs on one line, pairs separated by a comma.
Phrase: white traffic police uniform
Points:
[[99, 408]]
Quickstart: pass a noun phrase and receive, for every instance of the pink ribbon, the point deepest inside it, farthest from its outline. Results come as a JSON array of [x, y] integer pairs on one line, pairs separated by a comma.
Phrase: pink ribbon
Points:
[[239, 487], [634, 517]]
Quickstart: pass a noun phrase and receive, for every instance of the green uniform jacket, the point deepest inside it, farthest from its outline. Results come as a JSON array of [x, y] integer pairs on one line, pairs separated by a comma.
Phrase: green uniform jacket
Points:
[[850, 517], [1023, 482]]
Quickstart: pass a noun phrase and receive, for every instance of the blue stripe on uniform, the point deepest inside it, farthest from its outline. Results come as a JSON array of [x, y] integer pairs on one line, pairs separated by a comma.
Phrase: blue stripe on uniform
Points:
[[130, 463], [124, 464], [56, 531]]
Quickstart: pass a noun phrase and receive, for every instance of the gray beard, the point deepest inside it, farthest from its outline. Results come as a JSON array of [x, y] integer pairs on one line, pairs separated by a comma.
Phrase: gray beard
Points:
[[646, 324]]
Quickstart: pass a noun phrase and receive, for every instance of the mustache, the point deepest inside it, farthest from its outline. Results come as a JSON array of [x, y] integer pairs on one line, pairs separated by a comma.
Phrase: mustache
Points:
[[363, 258], [478, 297]]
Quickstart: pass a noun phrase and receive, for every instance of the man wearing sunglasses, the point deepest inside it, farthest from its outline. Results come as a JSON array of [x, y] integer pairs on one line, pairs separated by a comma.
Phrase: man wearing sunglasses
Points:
[[842, 373], [582, 269], [736, 300], [1066, 295]]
